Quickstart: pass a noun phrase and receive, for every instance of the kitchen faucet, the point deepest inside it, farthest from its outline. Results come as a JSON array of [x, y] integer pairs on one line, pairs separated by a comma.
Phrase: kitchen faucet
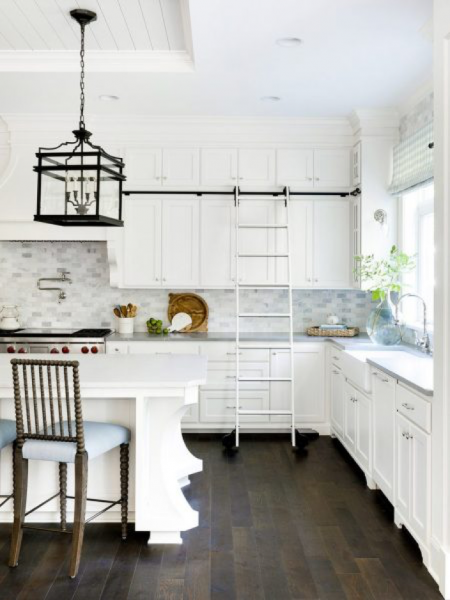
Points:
[[424, 342]]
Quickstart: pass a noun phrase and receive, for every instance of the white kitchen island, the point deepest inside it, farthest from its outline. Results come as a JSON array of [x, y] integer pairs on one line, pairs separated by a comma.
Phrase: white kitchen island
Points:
[[150, 394]]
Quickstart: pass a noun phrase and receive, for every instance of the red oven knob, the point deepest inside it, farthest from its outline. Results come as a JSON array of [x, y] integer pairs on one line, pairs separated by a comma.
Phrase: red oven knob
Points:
[[22, 351], [84, 349], [65, 350], [54, 351], [10, 349], [94, 349]]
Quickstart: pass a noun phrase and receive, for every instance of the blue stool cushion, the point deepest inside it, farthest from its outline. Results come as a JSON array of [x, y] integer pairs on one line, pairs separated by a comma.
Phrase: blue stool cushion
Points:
[[7, 432], [98, 439]]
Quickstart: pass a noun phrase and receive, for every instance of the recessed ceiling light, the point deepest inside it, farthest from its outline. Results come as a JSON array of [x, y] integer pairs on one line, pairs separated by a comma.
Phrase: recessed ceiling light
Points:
[[108, 98], [270, 98], [289, 42]]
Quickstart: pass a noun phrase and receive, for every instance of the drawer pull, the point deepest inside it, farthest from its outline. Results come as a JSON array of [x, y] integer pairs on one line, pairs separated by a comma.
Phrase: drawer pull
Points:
[[163, 352], [407, 406], [336, 372], [232, 406], [230, 376], [233, 353], [336, 357]]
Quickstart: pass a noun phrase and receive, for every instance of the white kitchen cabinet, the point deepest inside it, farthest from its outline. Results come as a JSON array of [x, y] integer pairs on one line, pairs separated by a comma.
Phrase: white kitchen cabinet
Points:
[[217, 242], [363, 440], [256, 167], [309, 377], [331, 243], [257, 241], [349, 416], [218, 406], [180, 248], [218, 166], [142, 241], [332, 169], [143, 168], [301, 213], [355, 233], [295, 168], [383, 393], [412, 497], [181, 167], [337, 401], [356, 165]]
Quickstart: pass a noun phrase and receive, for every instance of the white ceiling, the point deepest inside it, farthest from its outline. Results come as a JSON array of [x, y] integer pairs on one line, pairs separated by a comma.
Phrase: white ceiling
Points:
[[356, 54]]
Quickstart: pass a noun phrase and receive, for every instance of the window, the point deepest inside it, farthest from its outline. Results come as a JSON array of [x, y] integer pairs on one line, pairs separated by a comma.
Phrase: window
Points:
[[417, 237]]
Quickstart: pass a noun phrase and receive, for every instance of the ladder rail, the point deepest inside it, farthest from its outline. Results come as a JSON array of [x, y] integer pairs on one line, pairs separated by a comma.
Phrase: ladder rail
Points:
[[291, 328], [236, 281]]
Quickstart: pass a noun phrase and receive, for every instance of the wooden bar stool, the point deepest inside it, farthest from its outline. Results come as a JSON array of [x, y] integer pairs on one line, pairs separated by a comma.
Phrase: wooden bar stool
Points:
[[7, 436], [50, 426]]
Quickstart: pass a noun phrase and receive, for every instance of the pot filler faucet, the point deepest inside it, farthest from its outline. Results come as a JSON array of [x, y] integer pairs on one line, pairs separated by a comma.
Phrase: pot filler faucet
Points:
[[62, 278], [423, 342]]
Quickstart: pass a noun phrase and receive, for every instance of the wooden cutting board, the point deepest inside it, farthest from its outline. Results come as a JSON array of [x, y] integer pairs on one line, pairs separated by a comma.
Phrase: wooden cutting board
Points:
[[193, 305]]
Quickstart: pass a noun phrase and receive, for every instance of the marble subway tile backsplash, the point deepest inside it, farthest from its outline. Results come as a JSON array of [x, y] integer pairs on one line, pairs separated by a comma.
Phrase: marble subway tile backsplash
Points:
[[90, 299]]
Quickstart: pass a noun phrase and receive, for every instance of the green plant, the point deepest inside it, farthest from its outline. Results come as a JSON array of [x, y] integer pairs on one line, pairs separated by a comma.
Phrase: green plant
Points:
[[384, 274]]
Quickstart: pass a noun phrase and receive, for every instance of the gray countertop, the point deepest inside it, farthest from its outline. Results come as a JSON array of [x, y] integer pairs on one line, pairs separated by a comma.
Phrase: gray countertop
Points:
[[211, 336], [410, 368]]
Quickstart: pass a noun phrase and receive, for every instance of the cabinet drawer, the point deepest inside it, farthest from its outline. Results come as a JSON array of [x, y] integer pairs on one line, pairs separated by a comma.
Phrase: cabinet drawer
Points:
[[116, 348], [163, 347], [219, 406], [223, 374], [227, 353], [335, 356], [413, 407]]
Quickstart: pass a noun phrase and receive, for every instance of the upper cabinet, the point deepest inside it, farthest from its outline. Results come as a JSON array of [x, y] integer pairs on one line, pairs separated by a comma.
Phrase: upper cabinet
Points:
[[219, 167], [295, 168], [150, 168], [217, 242], [356, 165], [256, 167], [332, 169]]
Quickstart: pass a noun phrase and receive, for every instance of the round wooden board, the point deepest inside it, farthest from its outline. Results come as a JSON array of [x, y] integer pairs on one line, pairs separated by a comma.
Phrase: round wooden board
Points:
[[193, 305]]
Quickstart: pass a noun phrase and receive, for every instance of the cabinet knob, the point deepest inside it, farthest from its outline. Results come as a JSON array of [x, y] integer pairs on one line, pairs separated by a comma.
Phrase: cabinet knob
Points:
[[407, 406], [317, 178], [316, 280], [309, 279], [163, 278], [164, 177], [336, 373], [156, 279], [309, 178]]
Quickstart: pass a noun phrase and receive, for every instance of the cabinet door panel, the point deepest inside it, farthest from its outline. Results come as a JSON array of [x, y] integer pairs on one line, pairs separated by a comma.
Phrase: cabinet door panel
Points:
[[356, 164], [420, 481], [143, 167], [257, 167], [295, 168], [363, 441], [309, 370], [403, 471], [349, 416], [219, 166], [383, 392], [301, 243], [180, 248], [142, 242], [181, 167], [217, 243], [256, 241], [331, 169], [331, 243], [337, 400]]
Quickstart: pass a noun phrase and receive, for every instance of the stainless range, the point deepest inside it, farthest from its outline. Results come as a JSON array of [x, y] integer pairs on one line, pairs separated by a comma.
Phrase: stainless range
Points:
[[54, 341]]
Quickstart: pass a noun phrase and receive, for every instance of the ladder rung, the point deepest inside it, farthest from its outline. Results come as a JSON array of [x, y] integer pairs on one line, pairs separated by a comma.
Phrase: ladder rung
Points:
[[265, 379], [263, 226], [244, 196], [287, 315], [271, 255], [266, 286], [273, 346], [264, 412]]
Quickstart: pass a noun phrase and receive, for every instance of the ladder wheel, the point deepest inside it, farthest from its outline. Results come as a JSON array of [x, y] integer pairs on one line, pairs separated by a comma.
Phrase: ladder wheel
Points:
[[301, 441], [229, 440]]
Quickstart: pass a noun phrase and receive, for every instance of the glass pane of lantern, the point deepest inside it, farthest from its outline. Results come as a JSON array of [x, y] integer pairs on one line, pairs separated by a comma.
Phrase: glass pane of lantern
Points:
[[109, 196]]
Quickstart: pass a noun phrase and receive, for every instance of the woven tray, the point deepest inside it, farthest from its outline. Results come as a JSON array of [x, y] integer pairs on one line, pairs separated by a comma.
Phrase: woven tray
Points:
[[349, 332]]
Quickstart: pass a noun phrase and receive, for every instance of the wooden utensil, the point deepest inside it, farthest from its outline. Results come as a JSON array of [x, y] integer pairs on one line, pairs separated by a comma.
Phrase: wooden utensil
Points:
[[117, 312], [192, 304], [123, 310], [129, 309]]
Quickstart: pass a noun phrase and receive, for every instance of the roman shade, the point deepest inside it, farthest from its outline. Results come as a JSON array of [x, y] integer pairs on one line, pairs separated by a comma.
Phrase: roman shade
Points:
[[413, 161]]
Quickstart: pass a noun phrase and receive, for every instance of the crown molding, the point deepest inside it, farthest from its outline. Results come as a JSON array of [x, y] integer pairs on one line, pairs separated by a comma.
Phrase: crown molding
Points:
[[416, 97], [375, 122], [97, 61]]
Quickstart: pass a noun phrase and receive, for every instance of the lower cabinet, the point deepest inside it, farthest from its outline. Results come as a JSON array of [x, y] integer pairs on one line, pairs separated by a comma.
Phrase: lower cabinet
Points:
[[219, 406], [412, 497], [337, 401], [383, 393], [358, 426]]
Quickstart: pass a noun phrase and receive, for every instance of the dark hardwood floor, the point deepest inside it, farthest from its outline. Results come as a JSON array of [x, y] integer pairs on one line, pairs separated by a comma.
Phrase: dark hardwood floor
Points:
[[273, 526]]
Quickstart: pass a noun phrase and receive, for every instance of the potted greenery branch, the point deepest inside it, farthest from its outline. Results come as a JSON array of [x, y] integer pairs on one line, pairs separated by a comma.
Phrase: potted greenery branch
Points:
[[384, 277]]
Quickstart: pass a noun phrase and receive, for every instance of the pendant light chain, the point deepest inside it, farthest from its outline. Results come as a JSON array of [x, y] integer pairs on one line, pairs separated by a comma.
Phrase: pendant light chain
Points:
[[82, 125]]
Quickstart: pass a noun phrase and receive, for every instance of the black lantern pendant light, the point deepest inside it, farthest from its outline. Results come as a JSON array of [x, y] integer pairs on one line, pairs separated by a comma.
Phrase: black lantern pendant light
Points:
[[79, 186]]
